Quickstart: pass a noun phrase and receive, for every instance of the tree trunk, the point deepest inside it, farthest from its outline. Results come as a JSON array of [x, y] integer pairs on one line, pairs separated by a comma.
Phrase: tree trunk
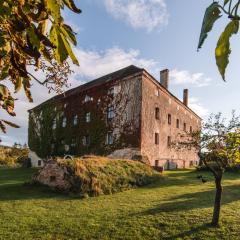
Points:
[[217, 203]]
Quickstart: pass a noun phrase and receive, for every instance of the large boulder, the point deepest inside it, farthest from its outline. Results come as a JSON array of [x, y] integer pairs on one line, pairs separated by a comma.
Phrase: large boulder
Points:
[[53, 175]]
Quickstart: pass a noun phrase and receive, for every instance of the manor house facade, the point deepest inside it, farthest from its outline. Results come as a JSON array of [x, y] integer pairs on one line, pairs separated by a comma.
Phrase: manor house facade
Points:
[[127, 110]]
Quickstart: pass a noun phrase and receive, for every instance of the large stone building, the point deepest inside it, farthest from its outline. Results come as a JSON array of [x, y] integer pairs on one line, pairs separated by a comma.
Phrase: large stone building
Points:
[[127, 113]]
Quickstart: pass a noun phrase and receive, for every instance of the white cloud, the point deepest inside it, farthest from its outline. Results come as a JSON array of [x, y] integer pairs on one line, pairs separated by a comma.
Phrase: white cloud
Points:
[[95, 64], [184, 77], [197, 107], [148, 14]]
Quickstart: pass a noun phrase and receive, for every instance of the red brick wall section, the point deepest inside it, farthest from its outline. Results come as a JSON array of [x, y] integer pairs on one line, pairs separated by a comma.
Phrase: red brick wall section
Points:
[[162, 154]]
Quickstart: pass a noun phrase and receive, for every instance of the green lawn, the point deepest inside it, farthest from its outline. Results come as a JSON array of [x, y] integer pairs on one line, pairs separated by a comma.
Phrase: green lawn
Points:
[[177, 207]]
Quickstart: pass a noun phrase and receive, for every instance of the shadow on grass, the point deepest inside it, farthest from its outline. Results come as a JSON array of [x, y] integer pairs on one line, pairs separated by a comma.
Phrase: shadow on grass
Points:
[[180, 178], [189, 232], [197, 200], [13, 187]]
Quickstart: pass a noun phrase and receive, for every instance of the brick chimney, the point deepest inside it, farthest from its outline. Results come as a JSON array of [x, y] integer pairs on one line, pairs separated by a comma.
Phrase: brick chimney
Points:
[[164, 78], [185, 97]]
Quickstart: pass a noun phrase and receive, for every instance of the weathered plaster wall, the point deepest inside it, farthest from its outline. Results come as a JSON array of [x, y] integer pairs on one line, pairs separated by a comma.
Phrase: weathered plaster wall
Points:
[[166, 156]]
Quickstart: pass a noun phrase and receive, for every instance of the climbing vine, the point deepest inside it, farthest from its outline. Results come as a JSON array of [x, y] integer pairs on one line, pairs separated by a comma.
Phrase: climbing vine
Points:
[[48, 140]]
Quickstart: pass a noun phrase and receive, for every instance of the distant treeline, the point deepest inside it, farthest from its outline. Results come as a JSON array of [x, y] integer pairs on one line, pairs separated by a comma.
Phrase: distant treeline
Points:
[[11, 156]]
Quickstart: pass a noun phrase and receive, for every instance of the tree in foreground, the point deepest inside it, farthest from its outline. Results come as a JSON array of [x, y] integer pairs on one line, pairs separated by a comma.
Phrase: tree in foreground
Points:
[[34, 41], [218, 144], [216, 10]]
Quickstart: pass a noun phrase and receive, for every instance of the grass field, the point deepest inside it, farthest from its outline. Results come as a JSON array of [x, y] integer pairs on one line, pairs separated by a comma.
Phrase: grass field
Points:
[[177, 207]]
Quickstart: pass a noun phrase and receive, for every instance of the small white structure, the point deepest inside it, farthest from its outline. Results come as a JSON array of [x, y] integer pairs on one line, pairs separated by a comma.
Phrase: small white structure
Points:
[[35, 160]]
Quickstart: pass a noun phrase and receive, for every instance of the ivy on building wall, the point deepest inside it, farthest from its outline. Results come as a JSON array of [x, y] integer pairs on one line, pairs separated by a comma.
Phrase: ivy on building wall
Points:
[[48, 140]]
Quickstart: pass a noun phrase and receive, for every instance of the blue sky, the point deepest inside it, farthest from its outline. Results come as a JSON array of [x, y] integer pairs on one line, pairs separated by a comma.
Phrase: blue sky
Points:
[[154, 34]]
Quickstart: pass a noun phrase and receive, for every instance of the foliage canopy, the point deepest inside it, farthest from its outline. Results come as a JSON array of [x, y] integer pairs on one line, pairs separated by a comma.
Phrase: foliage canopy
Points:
[[215, 11], [33, 38]]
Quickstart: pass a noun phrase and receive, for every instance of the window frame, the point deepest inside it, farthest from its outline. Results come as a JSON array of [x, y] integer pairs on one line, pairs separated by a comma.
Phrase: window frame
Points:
[[156, 138], [64, 122], [169, 141], [110, 113], [157, 113], [75, 120], [110, 138], [177, 123], [169, 119], [88, 117]]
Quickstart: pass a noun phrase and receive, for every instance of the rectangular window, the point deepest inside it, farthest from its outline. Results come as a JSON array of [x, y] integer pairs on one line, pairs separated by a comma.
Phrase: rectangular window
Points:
[[64, 122], [73, 143], [75, 120], [111, 91], [157, 93], [157, 113], [87, 99], [184, 127], [88, 117], [110, 113], [86, 140], [39, 163], [177, 123], [169, 141], [190, 129], [156, 163], [169, 119], [156, 138], [109, 138]]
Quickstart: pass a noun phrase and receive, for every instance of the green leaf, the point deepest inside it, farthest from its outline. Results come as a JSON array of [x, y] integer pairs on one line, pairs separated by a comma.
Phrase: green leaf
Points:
[[54, 8], [18, 84], [4, 72], [26, 87], [3, 91], [68, 33], [212, 14], [223, 50], [71, 5], [2, 41], [33, 37], [69, 50], [60, 51]]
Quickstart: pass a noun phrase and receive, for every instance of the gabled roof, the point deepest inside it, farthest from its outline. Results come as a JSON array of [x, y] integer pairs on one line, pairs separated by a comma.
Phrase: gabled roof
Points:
[[122, 73]]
